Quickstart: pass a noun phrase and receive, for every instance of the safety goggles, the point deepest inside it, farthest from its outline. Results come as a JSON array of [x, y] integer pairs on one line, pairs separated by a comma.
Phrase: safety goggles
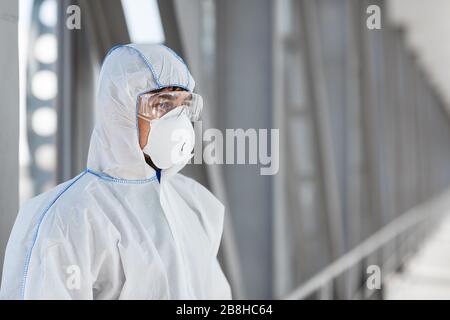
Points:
[[155, 105]]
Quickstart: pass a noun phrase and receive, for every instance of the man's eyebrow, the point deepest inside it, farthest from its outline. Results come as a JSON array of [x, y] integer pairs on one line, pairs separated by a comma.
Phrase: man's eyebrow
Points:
[[168, 96]]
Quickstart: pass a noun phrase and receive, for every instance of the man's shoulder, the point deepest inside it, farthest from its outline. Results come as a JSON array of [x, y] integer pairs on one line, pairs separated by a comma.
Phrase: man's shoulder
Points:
[[48, 210], [50, 198]]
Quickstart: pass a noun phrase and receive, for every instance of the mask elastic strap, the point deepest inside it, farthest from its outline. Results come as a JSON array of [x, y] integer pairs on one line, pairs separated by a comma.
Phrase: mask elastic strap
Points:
[[144, 118]]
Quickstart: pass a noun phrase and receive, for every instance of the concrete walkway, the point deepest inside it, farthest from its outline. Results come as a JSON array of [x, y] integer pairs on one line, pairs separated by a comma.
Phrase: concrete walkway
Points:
[[427, 274]]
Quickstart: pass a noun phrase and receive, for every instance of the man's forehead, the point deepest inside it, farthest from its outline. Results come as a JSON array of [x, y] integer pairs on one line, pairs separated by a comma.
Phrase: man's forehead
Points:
[[168, 89]]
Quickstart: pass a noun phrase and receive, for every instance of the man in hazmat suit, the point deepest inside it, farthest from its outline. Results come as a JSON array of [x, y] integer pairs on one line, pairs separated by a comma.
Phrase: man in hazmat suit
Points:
[[129, 226]]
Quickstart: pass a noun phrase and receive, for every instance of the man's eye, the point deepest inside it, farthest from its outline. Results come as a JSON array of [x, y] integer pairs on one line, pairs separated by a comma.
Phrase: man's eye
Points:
[[164, 105]]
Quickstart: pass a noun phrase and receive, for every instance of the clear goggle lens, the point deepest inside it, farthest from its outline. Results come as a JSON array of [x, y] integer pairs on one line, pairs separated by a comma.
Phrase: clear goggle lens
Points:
[[155, 105]]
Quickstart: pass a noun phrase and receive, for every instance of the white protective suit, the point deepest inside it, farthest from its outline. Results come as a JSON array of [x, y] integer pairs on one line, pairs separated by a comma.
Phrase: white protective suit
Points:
[[115, 231]]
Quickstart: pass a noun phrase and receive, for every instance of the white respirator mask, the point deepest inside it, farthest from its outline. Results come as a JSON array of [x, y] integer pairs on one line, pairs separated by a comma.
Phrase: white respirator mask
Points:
[[171, 139]]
